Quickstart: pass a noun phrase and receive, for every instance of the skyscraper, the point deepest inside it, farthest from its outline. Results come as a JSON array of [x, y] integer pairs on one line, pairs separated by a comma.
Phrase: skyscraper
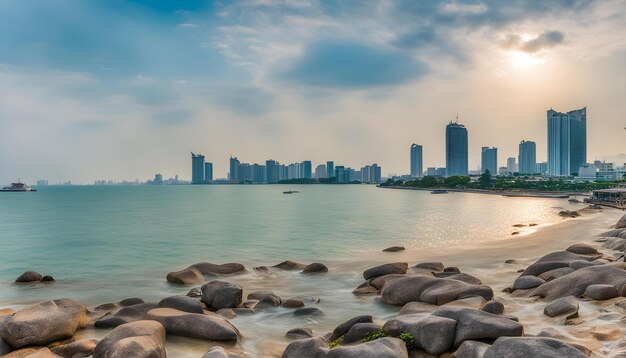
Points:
[[208, 172], [527, 158], [511, 165], [233, 174], [567, 142], [456, 149], [489, 160], [330, 168], [197, 168], [273, 171], [417, 166], [306, 168], [320, 172]]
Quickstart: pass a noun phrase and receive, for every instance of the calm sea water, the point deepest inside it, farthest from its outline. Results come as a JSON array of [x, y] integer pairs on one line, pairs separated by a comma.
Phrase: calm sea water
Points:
[[104, 243]]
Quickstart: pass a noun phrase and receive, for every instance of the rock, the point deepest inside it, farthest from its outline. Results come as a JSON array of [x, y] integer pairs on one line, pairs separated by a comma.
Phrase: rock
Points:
[[42, 353], [394, 249], [556, 273], [471, 349], [305, 348], [299, 333], [615, 243], [258, 295], [268, 302], [567, 306], [380, 348], [364, 289], [194, 325], [125, 315], [621, 224], [76, 349], [432, 266], [493, 307], [311, 311], [386, 269], [181, 303], [343, 328], [577, 265], [29, 276], [526, 282], [219, 352], [5, 348], [21, 353], [290, 265], [510, 261], [359, 331], [131, 301], [524, 347], [291, 303], [140, 339], [569, 213], [220, 294], [576, 282], [379, 282], [417, 307], [555, 260], [430, 290], [433, 334], [188, 276], [261, 268], [44, 323], [463, 277], [225, 269], [600, 292], [106, 307], [582, 249], [606, 334], [452, 269], [194, 292], [478, 325], [315, 268], [47, 278], [227, 313]]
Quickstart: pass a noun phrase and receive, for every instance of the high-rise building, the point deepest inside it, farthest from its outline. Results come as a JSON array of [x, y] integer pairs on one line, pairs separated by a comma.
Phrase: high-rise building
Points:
[[489, 160], [567, 142], [330, 168], [320, 172], [456, 149], [306, 168], [208, 172], [340, 174], [273, 171], [233, 174], [158, 179], [527, 158], [542, 168], [511, 165], [244, 173], [258, 173], [197, 168], [371, 174], [417, 166]]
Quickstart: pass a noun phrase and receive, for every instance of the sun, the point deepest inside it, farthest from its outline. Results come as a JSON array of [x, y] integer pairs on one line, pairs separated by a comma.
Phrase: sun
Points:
[[524, 60]]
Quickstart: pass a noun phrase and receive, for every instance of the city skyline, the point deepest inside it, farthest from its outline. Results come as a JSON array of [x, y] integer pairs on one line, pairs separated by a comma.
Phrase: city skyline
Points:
[[357, 83]]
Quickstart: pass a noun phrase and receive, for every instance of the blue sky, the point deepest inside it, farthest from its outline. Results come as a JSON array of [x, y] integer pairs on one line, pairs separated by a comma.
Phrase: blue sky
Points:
[[125, 89]]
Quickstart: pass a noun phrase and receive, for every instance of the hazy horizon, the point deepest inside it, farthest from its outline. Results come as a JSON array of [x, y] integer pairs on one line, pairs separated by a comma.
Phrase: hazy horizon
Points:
[[126, 89]]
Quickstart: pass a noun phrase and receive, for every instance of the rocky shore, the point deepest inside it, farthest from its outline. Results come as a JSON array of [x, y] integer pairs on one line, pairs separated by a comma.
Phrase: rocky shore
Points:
[[570, 302]]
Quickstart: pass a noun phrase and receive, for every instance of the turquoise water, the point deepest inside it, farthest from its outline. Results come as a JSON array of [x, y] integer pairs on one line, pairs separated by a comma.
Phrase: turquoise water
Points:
[[103, 243]]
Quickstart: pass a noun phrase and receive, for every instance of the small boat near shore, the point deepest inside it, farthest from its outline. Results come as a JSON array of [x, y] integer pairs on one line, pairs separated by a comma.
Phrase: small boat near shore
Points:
[[290, 192], [17, 187], [439, 191]]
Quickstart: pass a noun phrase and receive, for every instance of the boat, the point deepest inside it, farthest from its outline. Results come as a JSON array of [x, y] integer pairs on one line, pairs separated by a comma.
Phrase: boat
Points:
[[439, 191], [290, 192], [18, 187]]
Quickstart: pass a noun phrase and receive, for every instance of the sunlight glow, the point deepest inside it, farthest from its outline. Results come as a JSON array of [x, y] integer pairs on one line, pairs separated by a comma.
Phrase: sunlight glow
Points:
[[523, 60]]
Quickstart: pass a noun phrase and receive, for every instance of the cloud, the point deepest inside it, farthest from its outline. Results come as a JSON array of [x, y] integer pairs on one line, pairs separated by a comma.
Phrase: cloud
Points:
[[547, 39], [352, 65]]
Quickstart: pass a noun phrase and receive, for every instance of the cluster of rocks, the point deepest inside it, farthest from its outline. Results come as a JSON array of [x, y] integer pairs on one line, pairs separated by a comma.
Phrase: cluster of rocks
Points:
[[33, 276], [569, 213]]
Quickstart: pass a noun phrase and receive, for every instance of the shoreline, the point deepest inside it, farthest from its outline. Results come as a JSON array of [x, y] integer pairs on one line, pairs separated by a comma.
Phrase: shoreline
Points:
[[521, 194]]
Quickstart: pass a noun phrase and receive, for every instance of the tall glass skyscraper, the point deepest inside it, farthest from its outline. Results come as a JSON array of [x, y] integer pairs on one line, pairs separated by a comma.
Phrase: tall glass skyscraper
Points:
[[567, 142], [456, 150], [417, 166], [306, 168], [197, 168], [330, 169], [489, 160], [273, 171], [208, 172], [233, 174], [527, 157]]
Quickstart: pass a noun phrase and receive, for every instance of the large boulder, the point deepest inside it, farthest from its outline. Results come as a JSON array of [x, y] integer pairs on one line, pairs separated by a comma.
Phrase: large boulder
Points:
[[315, 267], [220, 294], [140, 339], [290, 265], [359, 332], [582, 249], [621, 224], [471, 349], [386, 269], [379, 348], [433, 290], [600, 292], [555, 260], [299, 333], [76, 349], [125, 315], [493, 307], [576, 282], [527, 282], [194, 325], [29, 276], [430, 266], [567, 306], [223, 269], [188, 276], [379, 282], [181, 303], [478, 325], [433, 334], [305, 348], [343, 328], [524, 347], [44, 323]]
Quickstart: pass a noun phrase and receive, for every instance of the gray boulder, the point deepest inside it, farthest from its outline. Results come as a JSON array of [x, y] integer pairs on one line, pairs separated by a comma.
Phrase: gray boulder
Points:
[[379, 348], [194, 292], [493, 307], [268, 302], [299, 333], [140, 339], [524, 347], [131, 301], [5, 348], [224, 269], [417, 307], [76, 349], [386, 269], [359, 331], [394, 249], [471, 349], [431, 290], [308, 311], [567, 306], [379, 282], [315, 268], [555, 260], [290, 265], [576, 282], [433, 334], [463, 277], [621, 224], [194, 325], [600, 292], [478, 325], [293, 303], [343, 328], [125, 315], [305, 348], [181, 303], [431, 266], [29, 276], [44, 323], [556, 273], [219, 352], [220, 294], [188, 276], [615, 243], [582, 249], [527, 282]]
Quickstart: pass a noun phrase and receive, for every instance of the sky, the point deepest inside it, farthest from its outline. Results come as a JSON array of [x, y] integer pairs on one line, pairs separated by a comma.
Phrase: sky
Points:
[[125, 89]]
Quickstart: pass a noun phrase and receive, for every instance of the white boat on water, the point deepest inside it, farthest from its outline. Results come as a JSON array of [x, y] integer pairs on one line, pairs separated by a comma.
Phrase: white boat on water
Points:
[[18, 187]]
